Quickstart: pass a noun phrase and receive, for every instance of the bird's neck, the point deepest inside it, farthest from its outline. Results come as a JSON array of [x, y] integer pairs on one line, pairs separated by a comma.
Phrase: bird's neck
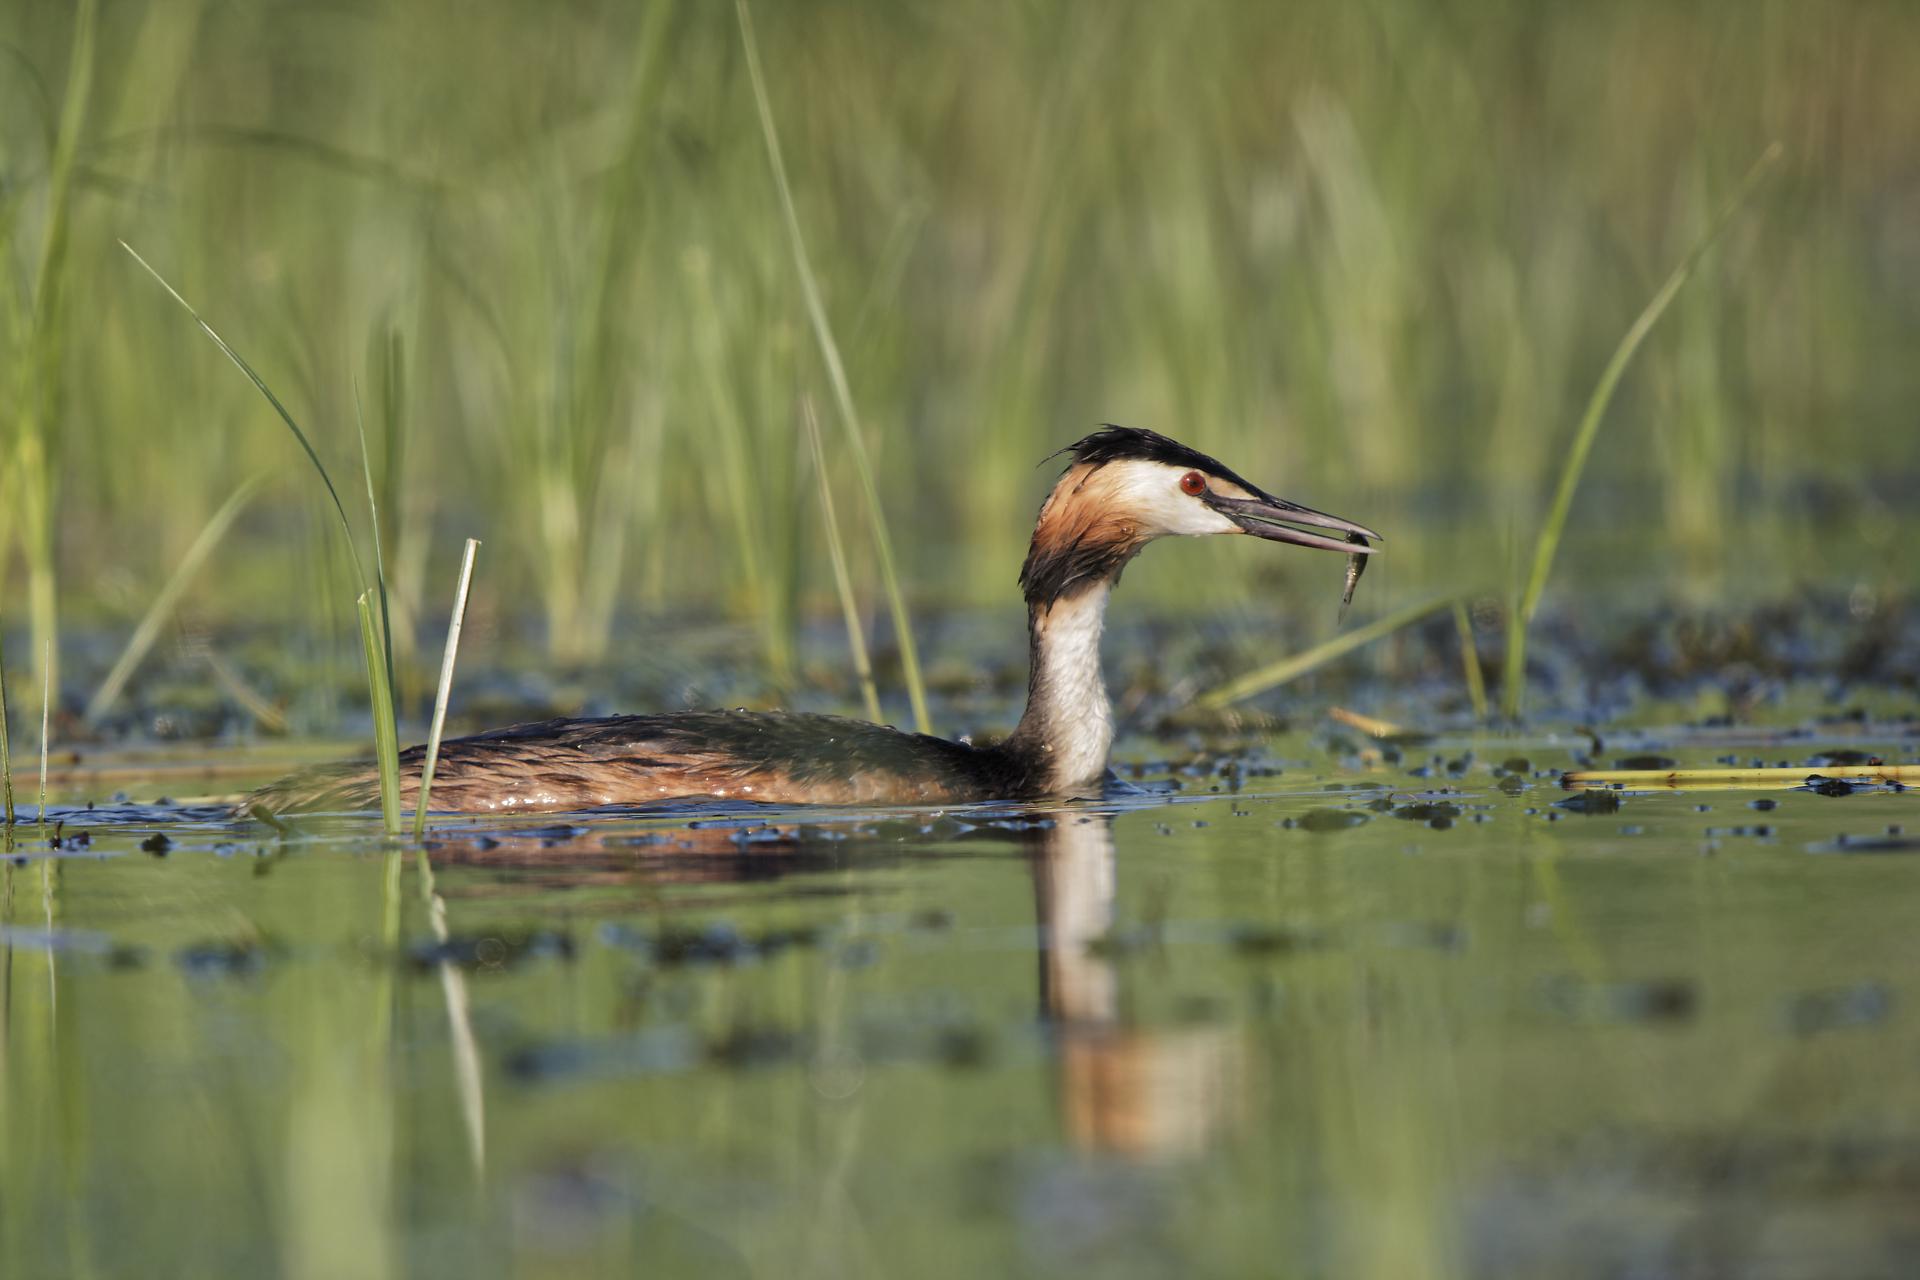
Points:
[[1068, 725]]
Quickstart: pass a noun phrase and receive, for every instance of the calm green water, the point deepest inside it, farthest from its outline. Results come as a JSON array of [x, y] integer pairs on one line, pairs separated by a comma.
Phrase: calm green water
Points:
[[1170, 1035]]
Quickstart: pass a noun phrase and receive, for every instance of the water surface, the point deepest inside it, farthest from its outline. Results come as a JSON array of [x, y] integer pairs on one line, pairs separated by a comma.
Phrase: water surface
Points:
[[1304, 1013]]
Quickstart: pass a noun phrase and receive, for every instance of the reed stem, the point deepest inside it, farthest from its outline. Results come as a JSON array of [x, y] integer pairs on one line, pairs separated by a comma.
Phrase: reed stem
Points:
[[386, 736], [379, 557], [306, 445], [1299, 664], [1548, 543], [1470, 661], [445, 691], [46, 724], [842, 580], [6, 756], [148, 629], [837, 379]]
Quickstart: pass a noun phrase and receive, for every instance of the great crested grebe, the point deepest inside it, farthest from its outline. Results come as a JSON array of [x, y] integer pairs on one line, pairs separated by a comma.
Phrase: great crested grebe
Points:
[[1122, 488]]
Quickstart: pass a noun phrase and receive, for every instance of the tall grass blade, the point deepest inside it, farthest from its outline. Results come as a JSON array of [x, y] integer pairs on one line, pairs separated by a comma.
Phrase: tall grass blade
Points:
[[6, 753], [1548, 543], [842, 580], [837, 378], [240, 363], [40, 390], [163, 604], [376, 641], [445, 691], [1470, 661], [386, 736], [379, 556], [46, 725], [1286, 669], [248, 698], [734, 455], [9, 503]]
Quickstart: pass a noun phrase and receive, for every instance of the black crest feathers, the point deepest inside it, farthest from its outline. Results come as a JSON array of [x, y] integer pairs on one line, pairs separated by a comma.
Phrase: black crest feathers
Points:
[[1116, 444]]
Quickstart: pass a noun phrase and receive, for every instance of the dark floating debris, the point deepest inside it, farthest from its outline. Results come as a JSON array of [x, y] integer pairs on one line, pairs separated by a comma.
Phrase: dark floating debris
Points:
[[1591, 803], [750, 1046], [489, 951], [1764, 803], [83, 942], [1759, 832], [1844, 757], [1824, 786], [1868, 845], [958, 1043], [1839, 1008], [1325, 820], [1646, 762], [156, 844], [963, 1047], [650, 1052], [720, 943], [1121, 941], [223, 959], [1663, 1000], [1265, 940], [1438, 814], [1422, 935]]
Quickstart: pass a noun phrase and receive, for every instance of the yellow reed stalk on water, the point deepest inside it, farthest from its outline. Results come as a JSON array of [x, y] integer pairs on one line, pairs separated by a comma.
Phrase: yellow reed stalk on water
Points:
[[1372, 726], [1738, 779]]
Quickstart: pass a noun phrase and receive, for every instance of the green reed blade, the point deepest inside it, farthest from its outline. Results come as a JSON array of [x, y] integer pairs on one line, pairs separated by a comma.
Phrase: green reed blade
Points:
[[842, 580], [39, 393], [386, 736], [6, 756], [837, 378], [1299, 664], [1548, 542], [445, 692], [1470, 660], [379, 556], [259, 383], [161, 609], [46, 723]]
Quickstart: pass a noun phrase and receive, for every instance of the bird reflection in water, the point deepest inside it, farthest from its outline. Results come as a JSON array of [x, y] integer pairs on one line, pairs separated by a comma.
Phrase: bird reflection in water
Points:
[[1125, 1089]]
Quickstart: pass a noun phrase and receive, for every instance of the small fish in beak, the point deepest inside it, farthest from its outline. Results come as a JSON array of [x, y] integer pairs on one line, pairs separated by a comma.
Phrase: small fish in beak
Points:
[[1356, 565]]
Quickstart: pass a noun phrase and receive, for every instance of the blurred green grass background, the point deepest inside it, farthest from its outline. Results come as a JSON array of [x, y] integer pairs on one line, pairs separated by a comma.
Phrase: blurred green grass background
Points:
[[1373, 255]]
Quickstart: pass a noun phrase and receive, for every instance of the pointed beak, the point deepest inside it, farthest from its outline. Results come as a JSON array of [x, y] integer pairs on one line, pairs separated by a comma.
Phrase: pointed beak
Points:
[[1273, 518]]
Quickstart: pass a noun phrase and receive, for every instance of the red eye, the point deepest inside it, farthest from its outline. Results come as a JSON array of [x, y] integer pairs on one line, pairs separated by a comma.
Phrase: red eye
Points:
[[1193, 484]]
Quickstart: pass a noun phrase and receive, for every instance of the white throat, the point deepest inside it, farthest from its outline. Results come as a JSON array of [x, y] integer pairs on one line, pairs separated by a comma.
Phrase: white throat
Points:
[[1068, 718]]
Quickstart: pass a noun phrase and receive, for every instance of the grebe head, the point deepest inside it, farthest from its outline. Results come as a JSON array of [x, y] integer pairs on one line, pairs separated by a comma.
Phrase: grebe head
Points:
[[1125, 487]]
